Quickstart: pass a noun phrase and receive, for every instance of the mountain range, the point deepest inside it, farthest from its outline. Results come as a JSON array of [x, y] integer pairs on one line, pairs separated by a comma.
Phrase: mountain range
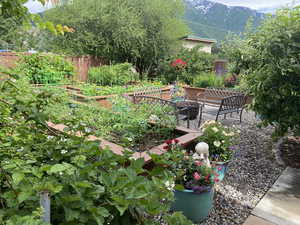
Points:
[[213, 20]]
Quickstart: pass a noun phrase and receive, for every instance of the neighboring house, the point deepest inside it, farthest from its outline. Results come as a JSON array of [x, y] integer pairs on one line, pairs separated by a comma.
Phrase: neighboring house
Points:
[[193, 41]]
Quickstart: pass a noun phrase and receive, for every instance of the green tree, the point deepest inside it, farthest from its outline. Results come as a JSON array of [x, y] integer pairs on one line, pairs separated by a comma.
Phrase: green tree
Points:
[[137, 31], [274, 78]]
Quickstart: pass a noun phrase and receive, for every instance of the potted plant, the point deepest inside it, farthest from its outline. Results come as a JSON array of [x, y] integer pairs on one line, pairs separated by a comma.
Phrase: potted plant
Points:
[[193, 182], [221, 141]]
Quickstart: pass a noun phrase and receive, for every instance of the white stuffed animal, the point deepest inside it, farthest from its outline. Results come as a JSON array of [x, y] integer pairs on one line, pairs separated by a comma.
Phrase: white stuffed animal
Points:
[[202, 153]]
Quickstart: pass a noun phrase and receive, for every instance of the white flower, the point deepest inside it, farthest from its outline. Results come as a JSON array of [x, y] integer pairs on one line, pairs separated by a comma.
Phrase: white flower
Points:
[[170, 185], [231, 134], [217, 143], [129, 139], [215, 129], [238, 131], [63, 151], [154, 118], [223, 141]]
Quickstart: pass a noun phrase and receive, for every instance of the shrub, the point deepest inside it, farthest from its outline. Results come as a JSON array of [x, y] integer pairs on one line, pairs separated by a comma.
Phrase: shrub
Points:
[[45, 69], [119, 74], [205, 80], [191, 62], [275, 78]]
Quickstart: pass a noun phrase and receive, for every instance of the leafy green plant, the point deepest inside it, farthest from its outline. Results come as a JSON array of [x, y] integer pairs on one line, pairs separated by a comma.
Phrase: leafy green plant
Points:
[[205, 80], [275, 79], [195, 62], [220, 140], [95, 90], [108, 75], [87, 185], [45, 69]]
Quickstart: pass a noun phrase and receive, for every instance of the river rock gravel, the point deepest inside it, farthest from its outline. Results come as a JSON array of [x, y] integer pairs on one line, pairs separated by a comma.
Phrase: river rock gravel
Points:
[[250, 175]]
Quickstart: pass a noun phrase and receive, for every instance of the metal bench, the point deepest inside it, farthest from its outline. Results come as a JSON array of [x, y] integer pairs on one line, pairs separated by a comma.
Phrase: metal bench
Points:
[[214, 96], [231, 104]]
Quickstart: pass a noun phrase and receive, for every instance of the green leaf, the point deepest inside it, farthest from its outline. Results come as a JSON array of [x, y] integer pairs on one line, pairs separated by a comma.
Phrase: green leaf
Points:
[[23, 196], [57, 168], [18, 177]]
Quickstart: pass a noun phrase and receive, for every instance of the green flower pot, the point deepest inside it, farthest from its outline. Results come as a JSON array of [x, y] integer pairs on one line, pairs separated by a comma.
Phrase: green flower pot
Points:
[[221, 169], [195, 206]]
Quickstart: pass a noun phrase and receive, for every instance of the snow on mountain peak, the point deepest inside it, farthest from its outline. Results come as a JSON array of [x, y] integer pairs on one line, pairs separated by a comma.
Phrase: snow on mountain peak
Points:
[[202, 5]]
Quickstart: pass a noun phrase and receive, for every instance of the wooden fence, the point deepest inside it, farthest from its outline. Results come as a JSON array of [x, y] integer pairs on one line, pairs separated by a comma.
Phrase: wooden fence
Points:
[[82, 63]]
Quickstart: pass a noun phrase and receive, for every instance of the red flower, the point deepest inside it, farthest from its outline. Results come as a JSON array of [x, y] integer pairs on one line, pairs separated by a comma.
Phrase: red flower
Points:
[[168, 142], [196, 176], [166, 147], [178, 62], [176, 141], [217, 180], [207, 178], [198, 163]]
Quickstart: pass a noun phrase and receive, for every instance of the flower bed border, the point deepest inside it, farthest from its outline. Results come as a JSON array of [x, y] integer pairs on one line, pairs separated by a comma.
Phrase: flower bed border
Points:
[[187, 138]]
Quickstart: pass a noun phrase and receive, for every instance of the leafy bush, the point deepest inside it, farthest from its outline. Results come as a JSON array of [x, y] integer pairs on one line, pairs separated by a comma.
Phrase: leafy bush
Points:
[[195, 62], [205, 80], [274, 80], [108, 75], [45, 69], [87, 185]]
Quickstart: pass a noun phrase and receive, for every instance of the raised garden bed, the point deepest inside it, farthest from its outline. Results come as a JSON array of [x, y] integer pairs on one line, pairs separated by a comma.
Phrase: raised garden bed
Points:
[[104, 100], [186, 138]]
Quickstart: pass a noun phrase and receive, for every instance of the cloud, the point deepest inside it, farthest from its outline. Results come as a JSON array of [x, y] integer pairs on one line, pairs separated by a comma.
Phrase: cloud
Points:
[[35, 6], [258, 4]]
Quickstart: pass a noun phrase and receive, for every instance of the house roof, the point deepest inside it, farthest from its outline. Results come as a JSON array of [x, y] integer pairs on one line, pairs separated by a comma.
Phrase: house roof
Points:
[[198, 39]]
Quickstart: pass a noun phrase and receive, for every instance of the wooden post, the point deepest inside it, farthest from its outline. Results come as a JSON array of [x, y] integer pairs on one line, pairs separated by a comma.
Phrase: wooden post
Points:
[[45, 205]]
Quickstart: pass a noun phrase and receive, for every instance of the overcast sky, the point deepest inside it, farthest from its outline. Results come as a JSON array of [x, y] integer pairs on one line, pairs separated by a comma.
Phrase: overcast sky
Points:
[[257, 4], [34, 6]]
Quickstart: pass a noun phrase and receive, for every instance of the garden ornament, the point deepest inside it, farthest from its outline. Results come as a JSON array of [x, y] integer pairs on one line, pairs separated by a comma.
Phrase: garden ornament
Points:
[[202, 153]]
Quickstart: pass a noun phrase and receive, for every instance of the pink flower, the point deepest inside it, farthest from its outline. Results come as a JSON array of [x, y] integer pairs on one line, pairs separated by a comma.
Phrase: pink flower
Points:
[[196, 176], [219, 168], [176, 141], [198, 163], [217, 180]]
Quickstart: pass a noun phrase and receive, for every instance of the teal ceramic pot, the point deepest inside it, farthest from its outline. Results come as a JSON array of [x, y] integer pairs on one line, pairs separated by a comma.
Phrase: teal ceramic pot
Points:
[[221, 169], [195, 206]]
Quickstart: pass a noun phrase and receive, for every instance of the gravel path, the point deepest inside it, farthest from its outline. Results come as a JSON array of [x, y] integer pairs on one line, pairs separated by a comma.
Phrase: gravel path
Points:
[[250, 175]]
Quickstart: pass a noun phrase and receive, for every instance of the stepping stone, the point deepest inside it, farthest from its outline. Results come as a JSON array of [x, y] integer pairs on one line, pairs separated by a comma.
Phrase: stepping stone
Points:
[[253, 220], [281, 204]]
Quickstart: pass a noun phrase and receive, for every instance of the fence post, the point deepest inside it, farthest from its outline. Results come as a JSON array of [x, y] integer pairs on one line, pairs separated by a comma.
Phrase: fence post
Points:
[[45, 205]]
